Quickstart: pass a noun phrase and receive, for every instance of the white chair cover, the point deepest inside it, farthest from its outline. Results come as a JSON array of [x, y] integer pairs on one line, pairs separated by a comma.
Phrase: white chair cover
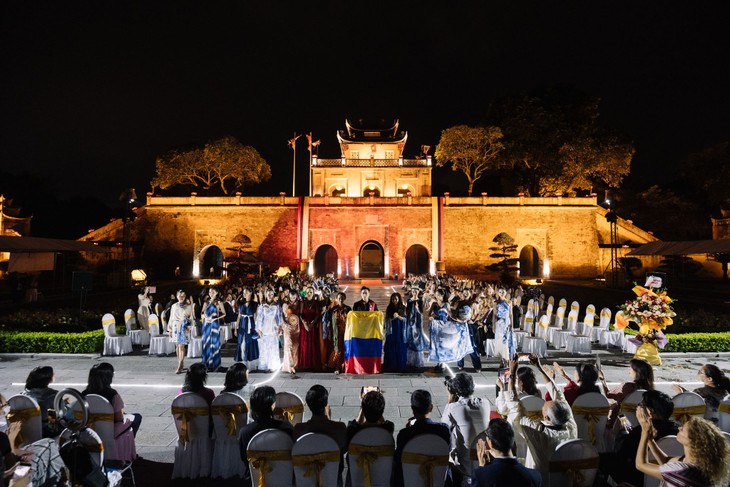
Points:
[[538, 346], [563, 303], [671, 447], [724, 415], [91, 441], [101, 420], [591, 412], [316, 460], [425, 459], [628, 406], [230, 415], [489, 348], [686, 405], [549, 312], [551, 300], [533, 409], [572, 324], [519, 336], [574, 463], [558, 337], [541, 330], [113, 343], [578, 344], [610, 338], [528, 324], [159, 344], [375, 441], [289, 407], [559, 318], [130, 319], [272, 447], [195, 344], [25, 411], [139, 337], [605, 318], [225, 332], [194, 450]]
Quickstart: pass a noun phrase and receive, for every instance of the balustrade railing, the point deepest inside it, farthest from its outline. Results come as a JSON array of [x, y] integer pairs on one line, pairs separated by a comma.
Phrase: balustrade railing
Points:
[[371, 163]]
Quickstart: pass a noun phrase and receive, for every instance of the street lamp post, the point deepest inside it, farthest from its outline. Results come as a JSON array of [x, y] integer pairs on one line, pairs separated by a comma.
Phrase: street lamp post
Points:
[[293, 144], [128, 197]]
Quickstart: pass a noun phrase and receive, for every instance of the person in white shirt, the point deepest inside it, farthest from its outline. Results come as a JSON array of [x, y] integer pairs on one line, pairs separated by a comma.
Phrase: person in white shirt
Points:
[[541, 436], [178, 326]]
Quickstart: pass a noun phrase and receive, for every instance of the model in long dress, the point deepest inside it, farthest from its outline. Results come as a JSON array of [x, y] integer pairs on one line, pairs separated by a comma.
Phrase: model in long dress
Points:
[[415, 338], [449, 338], [310, 332], [247, 348], [504, 338], [336, 332], [269, 320], [290, 330], [181, 319], [144, 309], [212, 315], [396, 347]]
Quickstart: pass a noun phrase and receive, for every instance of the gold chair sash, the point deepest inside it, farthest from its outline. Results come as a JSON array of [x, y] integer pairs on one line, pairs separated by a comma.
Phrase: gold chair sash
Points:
[[534, 415], [228, 413], [683, 414], [288, 412], [22, 415], [592, 415], [630, 408], [724, 408], [261, 461], [427, 462], [574, 468], [367, 455], [92, 419], [186, 414], [315, 463]]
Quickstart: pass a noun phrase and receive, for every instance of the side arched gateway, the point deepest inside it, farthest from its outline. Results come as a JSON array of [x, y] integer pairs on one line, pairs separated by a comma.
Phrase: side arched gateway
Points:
[[529, 262], [417, 260], [372, 259], [325, 260], [211, 261]]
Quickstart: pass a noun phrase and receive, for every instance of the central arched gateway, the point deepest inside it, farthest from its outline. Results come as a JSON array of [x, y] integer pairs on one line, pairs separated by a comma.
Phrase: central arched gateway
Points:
[[529, 262], [372, 259], [417, 260], [325, 260], [211, 261]]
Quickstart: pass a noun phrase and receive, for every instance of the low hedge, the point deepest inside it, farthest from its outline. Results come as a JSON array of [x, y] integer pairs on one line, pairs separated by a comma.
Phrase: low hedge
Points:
[[46, 342], [698, 342]]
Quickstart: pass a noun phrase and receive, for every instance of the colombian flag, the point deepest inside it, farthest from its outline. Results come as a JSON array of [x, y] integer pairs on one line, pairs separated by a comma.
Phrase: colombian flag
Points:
[[364, 342]]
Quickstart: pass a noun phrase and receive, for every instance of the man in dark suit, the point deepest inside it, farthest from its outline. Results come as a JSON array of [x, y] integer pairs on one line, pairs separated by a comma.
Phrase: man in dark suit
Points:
[[318, 402], [503, 469], [419, 424], [365, 304]]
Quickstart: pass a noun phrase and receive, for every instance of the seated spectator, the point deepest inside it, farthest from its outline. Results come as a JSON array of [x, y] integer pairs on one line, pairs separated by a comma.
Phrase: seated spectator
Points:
[[263, 401], [526, 386], [466, 417], [36, 386], [542, 437], [620, 464], [705, 460], [100, 383], [372, 406], [419, 424], [583, 381], [46, 466], [497, 466], [195, 379], [318, 403], [236, 380], [715, 386], [642, 377]]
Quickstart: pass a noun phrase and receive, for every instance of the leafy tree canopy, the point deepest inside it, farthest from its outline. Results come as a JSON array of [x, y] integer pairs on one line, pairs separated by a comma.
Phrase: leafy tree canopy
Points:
[[707, 173], [223, 163], [472, 150], [555, 143]]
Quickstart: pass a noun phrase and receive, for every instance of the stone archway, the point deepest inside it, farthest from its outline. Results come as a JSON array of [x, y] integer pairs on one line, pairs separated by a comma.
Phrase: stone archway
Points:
[[211, 261], [372, 259], [417, 260], [325, 260], [529, 262]]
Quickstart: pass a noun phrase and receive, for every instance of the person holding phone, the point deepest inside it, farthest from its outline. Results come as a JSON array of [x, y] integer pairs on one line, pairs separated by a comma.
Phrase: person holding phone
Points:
[[372, 406]]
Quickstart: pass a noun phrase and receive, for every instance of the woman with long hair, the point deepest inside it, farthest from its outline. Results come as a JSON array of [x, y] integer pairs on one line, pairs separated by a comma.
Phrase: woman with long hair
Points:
[[310, 331], [336, 331], [36, 386], [642, 377], [396, 349], [195, 380], [415, 338], [212, 316], [705, 460], [584, 380], [526, 386], [247, 349], [269, 320], [179, 323], [236, 379], [715, 386]]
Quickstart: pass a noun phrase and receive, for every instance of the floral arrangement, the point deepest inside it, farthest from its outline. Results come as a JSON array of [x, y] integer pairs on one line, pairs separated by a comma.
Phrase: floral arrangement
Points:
[[652, 311]]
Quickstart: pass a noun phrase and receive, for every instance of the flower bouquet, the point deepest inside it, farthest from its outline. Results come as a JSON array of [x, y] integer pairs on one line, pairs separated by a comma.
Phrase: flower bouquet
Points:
[[652, 312]]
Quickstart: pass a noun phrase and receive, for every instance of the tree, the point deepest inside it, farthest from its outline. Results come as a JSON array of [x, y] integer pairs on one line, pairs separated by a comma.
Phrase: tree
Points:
[[472, 150], [706, 174], [555, 143], [504, 250], [224, 162]]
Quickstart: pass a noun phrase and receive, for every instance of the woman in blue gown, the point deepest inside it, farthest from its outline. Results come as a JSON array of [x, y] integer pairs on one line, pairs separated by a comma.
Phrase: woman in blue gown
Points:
[[415, 337], [248, 347], [212, 314], [396, 348]]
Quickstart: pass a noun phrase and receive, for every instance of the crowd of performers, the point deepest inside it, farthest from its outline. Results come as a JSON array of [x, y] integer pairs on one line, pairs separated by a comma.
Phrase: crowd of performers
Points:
[[431, 321]]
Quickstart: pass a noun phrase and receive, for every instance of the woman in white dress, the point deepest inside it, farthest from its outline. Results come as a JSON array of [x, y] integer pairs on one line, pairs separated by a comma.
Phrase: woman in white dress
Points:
[[178, 326], [269, 319], [143, 310], [504, 338]]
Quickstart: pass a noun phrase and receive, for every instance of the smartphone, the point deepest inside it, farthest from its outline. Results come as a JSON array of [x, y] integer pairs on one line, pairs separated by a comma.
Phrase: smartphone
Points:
[[523, 358], [503, 375], [366, 389], [625, 423], [152, 289]]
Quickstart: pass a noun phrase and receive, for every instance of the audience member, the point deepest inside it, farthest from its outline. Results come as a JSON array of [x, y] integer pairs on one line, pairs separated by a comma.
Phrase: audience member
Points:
[[620, 464], [715, 386], [263, 401], [642, 377], [195, 379], [318, 403], [36, 386], [542, 437], [583, 381], [236, 379], [466, 417], [497, 466], [372, 406], [526, 386], [419, 424], [705, 460]]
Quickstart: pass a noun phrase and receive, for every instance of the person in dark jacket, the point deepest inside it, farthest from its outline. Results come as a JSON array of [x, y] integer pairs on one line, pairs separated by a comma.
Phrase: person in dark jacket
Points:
[[497, 466]]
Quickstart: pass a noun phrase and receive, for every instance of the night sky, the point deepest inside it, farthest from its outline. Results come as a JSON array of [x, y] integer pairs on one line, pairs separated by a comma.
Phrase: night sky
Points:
[[91, 93]]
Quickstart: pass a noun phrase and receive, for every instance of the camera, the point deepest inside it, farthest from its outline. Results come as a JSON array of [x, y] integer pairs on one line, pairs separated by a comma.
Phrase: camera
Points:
[[523, 358]]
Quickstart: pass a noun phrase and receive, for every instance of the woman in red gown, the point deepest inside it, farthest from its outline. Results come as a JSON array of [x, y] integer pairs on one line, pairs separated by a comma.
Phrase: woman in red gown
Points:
[[310, 335]]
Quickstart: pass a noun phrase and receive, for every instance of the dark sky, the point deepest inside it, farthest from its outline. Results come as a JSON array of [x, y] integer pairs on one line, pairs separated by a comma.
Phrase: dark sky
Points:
[[91, 93]]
